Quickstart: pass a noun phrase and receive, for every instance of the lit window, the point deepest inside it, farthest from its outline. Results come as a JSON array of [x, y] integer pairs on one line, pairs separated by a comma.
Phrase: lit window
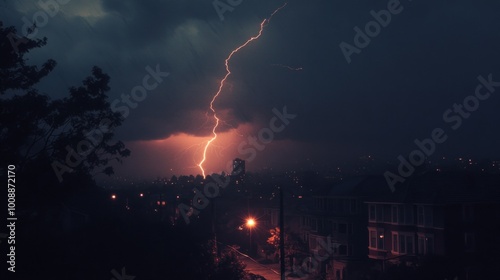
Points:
[[380, 244]]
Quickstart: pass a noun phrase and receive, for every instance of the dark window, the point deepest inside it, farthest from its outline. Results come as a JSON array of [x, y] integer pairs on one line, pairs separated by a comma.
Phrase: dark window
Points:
[[328, 227], [430, 245], [405, 244], [428, 221], [402, 244], [372, 212], [343, 250], [394, 213], [469, 242], [395, 243], [329, 205], [468, 211], [401, 214], [342, 228], [380, 213], [420, 215], [409, 244], [353, 206], [421, 245], [373, 239]]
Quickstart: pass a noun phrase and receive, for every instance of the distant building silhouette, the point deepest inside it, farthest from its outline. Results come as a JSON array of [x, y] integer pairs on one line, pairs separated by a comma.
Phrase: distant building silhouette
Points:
[[238, 172], [238, 167]]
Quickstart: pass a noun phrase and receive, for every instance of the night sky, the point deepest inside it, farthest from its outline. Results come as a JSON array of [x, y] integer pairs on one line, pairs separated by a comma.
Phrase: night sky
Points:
[[395, 90]]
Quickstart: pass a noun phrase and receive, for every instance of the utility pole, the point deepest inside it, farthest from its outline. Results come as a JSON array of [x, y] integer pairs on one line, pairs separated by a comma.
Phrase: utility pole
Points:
[[214, 233], [282, 236]]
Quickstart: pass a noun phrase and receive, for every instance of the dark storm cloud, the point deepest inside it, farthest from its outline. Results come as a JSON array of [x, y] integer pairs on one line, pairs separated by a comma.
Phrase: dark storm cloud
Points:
[[395, 90], [148, 20]]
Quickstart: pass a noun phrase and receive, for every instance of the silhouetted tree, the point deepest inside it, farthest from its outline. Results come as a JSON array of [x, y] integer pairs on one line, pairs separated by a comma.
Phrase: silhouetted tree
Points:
[[268, 249], [229, 267], [68, 138], [14, 73], [293, 244]]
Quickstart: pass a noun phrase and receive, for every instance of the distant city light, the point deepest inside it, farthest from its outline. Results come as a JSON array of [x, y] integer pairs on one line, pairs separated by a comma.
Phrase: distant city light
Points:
[[141, 194], [113, 196]]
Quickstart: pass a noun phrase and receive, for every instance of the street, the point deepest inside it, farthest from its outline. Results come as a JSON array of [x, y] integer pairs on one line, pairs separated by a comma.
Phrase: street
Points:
[[270, 272]]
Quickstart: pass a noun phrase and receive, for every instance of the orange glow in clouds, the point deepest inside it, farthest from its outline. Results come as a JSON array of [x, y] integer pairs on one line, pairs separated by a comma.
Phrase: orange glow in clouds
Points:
[[221, 85], [183, 150]]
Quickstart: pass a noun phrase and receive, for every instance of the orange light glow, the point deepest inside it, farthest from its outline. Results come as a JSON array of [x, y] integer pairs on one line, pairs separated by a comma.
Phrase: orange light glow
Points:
[[221, 85], [251, 222], [113, 196], [183, 151]]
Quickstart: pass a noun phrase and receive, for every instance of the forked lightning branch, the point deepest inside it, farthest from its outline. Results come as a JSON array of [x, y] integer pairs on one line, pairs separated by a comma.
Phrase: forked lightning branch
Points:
[[212, 108]]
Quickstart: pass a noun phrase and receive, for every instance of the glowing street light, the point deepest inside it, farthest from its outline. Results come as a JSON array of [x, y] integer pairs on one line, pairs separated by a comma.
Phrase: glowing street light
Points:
[[113, 196], [250, 222]]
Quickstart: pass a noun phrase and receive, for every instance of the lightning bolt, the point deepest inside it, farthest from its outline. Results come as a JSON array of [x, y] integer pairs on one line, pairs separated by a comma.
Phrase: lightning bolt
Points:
[[288, 67], [263, 24]]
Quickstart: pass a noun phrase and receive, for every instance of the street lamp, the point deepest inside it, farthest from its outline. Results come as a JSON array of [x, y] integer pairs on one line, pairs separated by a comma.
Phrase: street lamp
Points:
[[250, 224]]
